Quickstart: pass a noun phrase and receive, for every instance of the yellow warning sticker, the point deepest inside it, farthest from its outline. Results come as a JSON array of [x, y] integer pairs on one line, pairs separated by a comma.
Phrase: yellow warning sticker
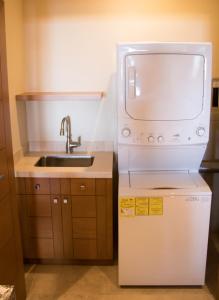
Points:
[[127, 206], [155, 206], [141, 206]]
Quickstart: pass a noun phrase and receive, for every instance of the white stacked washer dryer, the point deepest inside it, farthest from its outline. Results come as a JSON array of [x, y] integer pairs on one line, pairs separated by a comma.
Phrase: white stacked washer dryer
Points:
[[163, 129]]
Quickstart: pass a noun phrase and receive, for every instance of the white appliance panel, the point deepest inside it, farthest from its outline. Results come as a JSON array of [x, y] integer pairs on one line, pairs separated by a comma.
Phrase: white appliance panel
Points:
[[159, 133], [159, 180], [166, 250], [129, 186], [164, 86], [139, 158]]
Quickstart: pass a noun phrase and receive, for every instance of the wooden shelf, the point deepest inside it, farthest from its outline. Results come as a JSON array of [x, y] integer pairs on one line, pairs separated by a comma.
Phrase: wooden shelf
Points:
[[59, 96]]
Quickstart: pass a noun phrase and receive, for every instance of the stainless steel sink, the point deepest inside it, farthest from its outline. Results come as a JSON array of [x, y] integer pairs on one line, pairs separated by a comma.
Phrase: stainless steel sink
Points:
[[65, 161]]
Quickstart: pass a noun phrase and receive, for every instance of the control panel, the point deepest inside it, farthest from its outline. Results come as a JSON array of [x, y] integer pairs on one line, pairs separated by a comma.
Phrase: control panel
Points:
[[170, 136]]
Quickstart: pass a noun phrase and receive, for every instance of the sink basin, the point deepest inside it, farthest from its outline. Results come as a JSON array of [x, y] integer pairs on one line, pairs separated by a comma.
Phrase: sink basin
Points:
[[65, 161]]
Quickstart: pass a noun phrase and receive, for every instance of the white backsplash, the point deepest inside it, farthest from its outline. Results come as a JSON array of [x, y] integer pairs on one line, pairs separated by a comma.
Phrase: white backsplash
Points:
[[87, 146]]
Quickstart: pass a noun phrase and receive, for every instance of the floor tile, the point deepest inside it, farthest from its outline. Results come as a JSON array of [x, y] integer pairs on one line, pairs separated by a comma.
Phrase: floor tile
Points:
[[51, 282]]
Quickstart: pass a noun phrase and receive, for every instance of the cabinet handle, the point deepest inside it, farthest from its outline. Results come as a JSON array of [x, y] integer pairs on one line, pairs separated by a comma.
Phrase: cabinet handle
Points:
[[132, 82], [83, 187], [65, 201], [2, 176], [55, 200], [37, 186]]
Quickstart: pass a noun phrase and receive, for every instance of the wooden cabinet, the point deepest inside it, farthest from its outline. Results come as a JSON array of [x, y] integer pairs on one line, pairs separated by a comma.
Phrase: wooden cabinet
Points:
[[11, 264], [2, 135], [4, 180], [66, 219]]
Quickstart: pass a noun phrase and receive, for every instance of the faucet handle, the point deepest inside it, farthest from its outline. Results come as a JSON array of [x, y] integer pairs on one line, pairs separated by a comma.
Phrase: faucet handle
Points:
[[75, 144]]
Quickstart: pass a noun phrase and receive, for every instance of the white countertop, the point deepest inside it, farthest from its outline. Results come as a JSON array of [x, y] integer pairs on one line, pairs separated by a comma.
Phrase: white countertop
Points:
[[102, 167]]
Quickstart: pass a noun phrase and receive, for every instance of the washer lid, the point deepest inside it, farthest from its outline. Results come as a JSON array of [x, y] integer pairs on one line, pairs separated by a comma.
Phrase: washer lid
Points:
[[164, 86], [163, 180]]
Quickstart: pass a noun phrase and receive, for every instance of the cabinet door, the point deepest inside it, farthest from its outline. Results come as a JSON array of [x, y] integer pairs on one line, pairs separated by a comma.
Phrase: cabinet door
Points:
[[83, 206], [84, 228], [67, 226], [79, 227], [57, 226], [84, 221], [38, 206], [104, 219], [85, 249], [38, 227]]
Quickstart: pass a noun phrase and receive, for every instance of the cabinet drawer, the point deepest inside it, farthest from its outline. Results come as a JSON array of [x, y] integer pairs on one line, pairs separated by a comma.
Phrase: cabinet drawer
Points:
[[84, 228], [40, 227], [38, 205], [37, 186], [4, 184], [85, 249], [83, 206], [80, 186], [6, 228]]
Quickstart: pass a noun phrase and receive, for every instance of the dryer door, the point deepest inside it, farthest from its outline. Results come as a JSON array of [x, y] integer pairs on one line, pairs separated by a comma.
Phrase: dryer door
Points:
[[164, 86]]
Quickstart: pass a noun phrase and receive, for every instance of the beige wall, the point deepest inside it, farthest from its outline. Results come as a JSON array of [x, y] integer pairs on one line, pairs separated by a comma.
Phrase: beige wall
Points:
[[71, 45], [15, 60]]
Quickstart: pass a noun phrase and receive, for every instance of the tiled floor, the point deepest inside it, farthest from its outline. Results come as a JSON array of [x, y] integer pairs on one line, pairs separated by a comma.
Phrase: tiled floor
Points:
[[96, 282]]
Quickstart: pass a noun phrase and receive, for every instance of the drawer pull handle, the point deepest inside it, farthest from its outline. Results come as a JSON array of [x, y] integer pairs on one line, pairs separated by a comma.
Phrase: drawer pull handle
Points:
[[65, 201], [55, 200], [82, 187], [37, 186], [2, 176]]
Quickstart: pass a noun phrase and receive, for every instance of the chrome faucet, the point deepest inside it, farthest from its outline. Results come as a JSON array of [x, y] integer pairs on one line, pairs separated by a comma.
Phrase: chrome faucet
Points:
[[70, 144]]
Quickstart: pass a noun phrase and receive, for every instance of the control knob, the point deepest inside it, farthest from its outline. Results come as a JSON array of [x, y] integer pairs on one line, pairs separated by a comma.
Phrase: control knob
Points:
[[200, 131], [126, 132], [150, 139], [160, 139]]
